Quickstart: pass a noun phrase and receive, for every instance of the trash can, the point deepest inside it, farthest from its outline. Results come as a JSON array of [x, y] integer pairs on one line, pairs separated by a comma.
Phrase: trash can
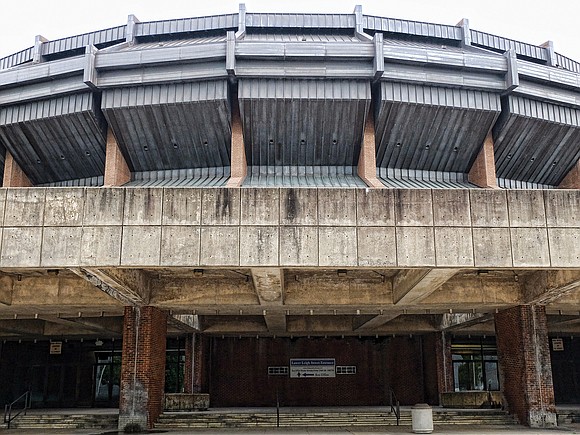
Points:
[[422, 418]]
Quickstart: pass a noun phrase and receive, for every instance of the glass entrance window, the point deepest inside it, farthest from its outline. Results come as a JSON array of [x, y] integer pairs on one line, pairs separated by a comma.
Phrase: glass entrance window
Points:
[[107, 376], [475, 364]]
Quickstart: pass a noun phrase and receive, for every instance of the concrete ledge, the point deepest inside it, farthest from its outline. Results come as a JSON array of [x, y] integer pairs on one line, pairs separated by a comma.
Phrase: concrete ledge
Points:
[[471, 399], [186, 402]]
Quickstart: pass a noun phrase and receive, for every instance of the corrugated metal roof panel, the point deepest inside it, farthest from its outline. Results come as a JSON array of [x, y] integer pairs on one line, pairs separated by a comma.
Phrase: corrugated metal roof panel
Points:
[[186, 25], [487, 40], [300, 37], [58, 139], [419, 28], [18, 58], [412, 179], [163, 127], [303, 122], [334, 21], [567, 63], [517, 184], [432, 128], [303, 176], [100, 37], [535, 141], [196, 177], [172, 43], [79, 182]]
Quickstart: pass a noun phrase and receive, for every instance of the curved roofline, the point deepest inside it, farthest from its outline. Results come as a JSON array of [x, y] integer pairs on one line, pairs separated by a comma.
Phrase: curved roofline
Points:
[[362, 25]]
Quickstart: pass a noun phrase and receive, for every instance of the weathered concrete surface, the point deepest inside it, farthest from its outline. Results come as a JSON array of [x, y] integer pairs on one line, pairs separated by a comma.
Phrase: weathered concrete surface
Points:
[[290, 227]]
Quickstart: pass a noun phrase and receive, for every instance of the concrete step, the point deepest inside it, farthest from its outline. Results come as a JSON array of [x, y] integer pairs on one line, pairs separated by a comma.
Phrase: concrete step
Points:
[[65, 421], [183, 420]]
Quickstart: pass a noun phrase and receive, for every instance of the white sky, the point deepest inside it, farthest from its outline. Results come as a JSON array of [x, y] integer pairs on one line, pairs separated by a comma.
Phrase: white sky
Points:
[[531, 21]]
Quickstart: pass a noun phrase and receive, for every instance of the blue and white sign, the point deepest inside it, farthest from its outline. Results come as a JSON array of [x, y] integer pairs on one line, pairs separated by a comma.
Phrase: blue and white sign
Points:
[[312, 368]]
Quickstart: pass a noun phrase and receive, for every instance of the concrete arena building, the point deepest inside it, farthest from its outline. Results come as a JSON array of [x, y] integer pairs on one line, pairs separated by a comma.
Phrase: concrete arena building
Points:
[[190, 204]]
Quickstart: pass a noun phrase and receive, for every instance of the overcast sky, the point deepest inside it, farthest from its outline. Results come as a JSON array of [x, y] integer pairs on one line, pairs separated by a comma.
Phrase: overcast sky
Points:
[[531, 21]]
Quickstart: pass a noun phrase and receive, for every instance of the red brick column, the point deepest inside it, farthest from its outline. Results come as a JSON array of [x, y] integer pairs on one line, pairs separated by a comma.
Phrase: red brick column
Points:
[[189, 364], [444, 364], [525, 365], [143, 366], [201, 364]]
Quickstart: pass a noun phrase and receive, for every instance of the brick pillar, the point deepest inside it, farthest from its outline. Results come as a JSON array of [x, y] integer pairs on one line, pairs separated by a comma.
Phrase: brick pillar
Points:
[[525, 365], [482, 172], [572, 179], [367, 161], [201, 364], [238, 165], [117, 171], [444, 364], [143, 366], [189, 364], [14, 176]]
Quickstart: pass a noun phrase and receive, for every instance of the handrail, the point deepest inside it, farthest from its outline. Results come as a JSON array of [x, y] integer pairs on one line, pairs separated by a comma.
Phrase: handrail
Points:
[[395, 405], [8, 417], [277, 408]]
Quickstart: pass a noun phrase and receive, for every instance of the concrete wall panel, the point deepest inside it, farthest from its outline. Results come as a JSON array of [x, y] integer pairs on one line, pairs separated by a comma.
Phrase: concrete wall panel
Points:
[[454, 247], [298, 206], [104, 206], [258, 246], [2, 205], [376, 246], [181, 206], [180, 246], [260, 206], [220, 207], [415, 246], [21, 247], [61, 246], [491, 247], [562, 208], [141, 246], [24, 207], [530, 247], [451, 208], [337, 246], [564, 247], [413, 207], [220, 246], [64, 207], [101, 246], [489, 208], [336, 207], [526, 208], [375, 207], [143, 206], [298, 246]]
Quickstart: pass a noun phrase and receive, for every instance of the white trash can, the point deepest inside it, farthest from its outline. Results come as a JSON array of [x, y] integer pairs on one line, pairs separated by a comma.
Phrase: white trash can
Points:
[[422, 418]]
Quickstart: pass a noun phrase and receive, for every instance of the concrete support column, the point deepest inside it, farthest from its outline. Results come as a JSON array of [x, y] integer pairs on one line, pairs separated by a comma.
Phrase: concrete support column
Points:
[[572, 178], [482, 173], [143, 366], [367, 162], [239, 165], [14, 176], [117, 171], [525, 365]]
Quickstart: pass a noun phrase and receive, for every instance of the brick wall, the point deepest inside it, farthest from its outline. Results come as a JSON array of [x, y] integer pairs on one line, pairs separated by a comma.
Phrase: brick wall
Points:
[[188, 369], [525, 366], [442, 343], [143, 366], [239, 371]]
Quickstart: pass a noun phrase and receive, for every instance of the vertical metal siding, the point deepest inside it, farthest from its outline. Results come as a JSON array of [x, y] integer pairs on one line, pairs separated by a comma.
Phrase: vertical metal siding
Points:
[[16, 58], [186, 25], [392, 25], [334, 21], [105, 36], [487, 40]]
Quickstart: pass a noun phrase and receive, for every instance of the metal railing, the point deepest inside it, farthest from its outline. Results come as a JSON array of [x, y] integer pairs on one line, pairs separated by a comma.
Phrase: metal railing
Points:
[[395, 405], [277, 408], [8, 417]]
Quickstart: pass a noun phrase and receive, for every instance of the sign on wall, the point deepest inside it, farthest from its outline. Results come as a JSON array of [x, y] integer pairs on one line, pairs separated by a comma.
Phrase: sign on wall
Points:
[[312, 368], [56, 347], [557, 344]]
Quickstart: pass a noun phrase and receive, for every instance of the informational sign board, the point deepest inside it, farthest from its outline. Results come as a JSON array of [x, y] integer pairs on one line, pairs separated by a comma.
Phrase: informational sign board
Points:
[[312, 368], [56, 348], [557, 344]]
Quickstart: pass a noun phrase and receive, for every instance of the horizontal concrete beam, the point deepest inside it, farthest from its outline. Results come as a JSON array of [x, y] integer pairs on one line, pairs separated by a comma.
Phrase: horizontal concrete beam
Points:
[[327, 228], [544, 287], [413, 285]]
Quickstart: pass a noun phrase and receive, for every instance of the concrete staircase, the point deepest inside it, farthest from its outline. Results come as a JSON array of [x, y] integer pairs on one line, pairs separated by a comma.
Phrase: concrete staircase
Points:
[[64, 421], [324, 418]]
